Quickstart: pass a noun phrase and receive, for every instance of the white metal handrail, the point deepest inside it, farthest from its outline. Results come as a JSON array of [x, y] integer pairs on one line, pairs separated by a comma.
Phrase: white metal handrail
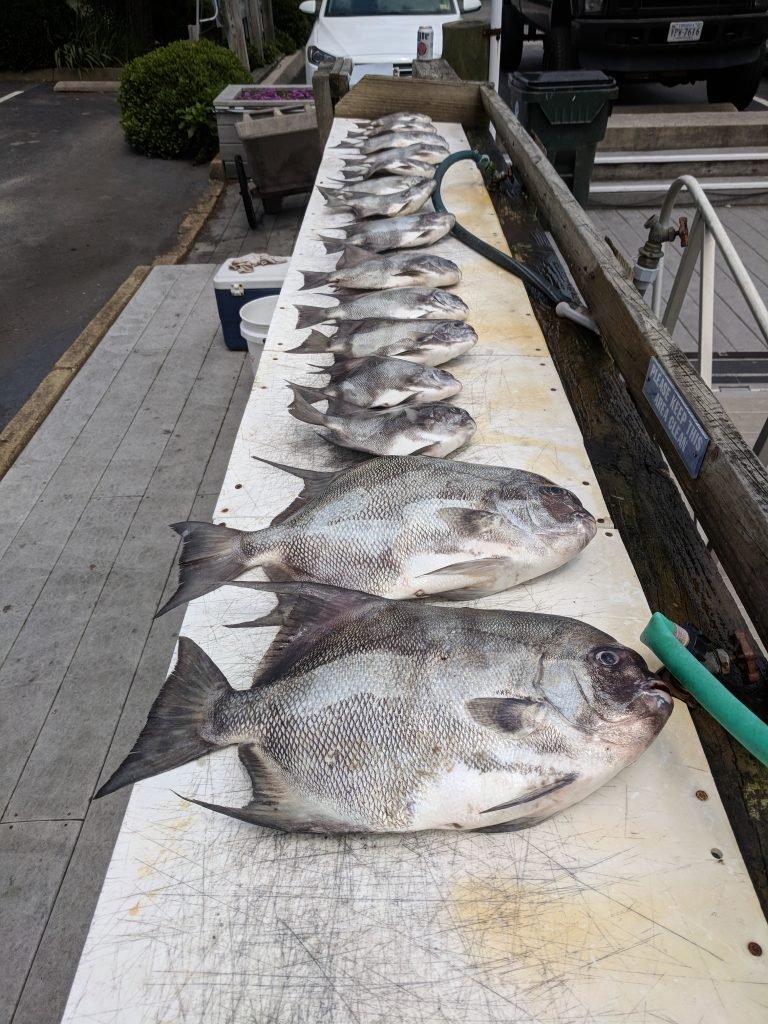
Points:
[[707, 233]]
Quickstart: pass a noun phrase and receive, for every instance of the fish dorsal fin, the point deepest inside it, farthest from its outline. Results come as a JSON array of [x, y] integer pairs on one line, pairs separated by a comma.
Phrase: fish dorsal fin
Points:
[[305, 612], [343, 368], [472, 520], [519, 715], [352, 255], [315, 483]]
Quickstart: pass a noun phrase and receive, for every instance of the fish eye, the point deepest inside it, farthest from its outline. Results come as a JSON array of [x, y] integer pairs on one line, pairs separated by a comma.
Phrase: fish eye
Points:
[[607, 657]]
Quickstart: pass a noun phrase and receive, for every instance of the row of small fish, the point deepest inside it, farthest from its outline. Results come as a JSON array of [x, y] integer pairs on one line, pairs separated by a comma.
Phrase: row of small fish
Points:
[[366, 410]]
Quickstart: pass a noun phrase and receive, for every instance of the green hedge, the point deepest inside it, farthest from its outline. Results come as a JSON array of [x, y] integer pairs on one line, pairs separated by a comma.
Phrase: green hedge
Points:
[[167, 95], [30, 32]]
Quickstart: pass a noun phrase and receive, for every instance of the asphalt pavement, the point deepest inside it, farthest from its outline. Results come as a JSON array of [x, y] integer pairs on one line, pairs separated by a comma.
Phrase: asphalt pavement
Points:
[[78, 211]]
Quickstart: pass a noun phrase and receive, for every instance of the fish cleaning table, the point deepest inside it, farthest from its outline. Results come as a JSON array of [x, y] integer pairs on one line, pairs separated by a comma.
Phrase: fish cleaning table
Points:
[[631, 906]]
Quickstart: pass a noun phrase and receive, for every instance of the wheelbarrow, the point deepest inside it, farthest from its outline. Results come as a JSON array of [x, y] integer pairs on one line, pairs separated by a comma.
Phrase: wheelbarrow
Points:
[[283, 153]]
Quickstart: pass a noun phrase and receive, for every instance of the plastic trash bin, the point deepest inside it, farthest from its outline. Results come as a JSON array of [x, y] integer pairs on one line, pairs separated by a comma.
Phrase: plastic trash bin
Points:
[[567, 111], [255, 318]]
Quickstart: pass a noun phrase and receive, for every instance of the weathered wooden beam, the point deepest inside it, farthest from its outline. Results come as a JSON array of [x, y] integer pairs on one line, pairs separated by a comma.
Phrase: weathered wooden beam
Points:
[[437, 70], [730, 496], [676, 571], [376, 95], [329, 83], [466, 47]]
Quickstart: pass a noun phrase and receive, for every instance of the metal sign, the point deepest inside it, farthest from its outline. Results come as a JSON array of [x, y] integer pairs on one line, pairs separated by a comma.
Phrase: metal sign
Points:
[[675, 415]]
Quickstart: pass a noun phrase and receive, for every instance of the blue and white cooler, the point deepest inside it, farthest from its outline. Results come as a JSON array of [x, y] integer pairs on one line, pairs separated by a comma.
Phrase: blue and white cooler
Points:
[[242, 279]]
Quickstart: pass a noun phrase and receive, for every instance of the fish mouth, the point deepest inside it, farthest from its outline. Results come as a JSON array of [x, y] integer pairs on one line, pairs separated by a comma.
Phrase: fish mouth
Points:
[[660, 689]]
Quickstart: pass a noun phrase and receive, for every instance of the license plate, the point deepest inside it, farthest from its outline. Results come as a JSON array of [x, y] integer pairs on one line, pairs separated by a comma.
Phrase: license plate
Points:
[[685, 31]]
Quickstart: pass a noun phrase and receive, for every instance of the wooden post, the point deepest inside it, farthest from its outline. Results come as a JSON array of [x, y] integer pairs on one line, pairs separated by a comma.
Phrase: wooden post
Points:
[[466, 46], [330, 82], [730, 496], [233, 25]]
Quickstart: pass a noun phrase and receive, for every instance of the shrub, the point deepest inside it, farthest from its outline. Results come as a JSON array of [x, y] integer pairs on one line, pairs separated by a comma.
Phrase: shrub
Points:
[[98, 39], [30, 31], [166, 97], [288, 19]]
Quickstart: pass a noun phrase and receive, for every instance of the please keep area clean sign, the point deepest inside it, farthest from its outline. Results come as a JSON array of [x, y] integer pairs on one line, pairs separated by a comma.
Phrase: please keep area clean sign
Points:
[[675, 415]]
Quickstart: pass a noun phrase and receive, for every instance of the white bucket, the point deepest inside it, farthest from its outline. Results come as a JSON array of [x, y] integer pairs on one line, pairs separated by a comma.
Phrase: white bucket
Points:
[[255, 318]]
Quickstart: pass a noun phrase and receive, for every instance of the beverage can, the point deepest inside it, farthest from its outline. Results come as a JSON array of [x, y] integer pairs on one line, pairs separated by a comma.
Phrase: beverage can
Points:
[[425, 43]]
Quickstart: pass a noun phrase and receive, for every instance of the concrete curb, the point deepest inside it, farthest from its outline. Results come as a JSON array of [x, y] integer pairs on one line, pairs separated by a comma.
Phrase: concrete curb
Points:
[[18, 433], [22, 428], [84, 86]]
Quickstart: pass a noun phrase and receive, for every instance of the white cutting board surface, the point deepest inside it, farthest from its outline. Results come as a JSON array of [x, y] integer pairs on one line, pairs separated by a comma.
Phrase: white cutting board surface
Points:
[[614, 911]]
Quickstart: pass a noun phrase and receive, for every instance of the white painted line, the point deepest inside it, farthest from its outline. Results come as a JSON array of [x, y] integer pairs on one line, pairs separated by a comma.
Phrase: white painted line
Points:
[[759, 99], [10, 95]]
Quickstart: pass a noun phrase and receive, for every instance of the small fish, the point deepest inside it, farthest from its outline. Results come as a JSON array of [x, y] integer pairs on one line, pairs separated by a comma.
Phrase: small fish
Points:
[[385, 186], [360, 270], [426, 342], [394, 140], [389, 122], [435, 429], [381, 382], [400, 527], [398, 163], [394, 233], [368, 715], [392, 205], [382, 163], [392, 304]]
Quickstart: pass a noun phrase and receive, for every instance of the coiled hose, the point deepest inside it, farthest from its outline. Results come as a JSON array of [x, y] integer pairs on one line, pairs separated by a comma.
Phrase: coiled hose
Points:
[[559, 299]]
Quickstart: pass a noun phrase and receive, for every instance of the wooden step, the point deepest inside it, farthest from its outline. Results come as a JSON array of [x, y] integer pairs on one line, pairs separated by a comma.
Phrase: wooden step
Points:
[[663, 131], [666, 165]]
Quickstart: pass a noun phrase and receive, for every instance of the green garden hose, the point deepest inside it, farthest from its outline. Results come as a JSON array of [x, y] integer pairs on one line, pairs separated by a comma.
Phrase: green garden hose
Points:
[[665, 639], [561, 301]]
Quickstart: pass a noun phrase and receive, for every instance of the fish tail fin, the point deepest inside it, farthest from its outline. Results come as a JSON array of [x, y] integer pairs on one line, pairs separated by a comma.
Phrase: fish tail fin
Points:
[[348, 144], [302, 410], [210, 556], [308, 316], [309, 394], [314, 279], [332, 245], [314, 342], [352, 255], [352, 173], [173, 734], [331, 196]]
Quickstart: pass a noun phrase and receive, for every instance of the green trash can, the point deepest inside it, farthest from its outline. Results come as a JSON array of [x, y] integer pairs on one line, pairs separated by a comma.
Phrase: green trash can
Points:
[[567, 111]]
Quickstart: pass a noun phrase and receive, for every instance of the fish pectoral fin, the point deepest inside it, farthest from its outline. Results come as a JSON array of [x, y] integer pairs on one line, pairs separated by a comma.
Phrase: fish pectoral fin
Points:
[[518, 715], [534, 794], [482, 576], [474, 521], [516, 825], [275, 803]]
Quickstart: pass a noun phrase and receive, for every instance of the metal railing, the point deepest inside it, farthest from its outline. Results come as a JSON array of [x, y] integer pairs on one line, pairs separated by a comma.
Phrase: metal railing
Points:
[[706, 235]]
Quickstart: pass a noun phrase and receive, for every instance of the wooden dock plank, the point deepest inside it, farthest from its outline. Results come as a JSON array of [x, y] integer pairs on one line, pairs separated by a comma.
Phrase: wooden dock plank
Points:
[[33, 859]]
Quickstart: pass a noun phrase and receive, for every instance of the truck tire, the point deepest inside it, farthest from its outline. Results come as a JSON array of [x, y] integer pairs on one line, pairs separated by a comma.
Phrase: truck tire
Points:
[[735, 85], [559, 52], [511, 39]]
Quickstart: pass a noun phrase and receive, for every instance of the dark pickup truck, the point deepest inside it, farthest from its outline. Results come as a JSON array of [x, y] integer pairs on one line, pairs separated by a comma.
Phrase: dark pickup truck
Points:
[[719, 41]]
